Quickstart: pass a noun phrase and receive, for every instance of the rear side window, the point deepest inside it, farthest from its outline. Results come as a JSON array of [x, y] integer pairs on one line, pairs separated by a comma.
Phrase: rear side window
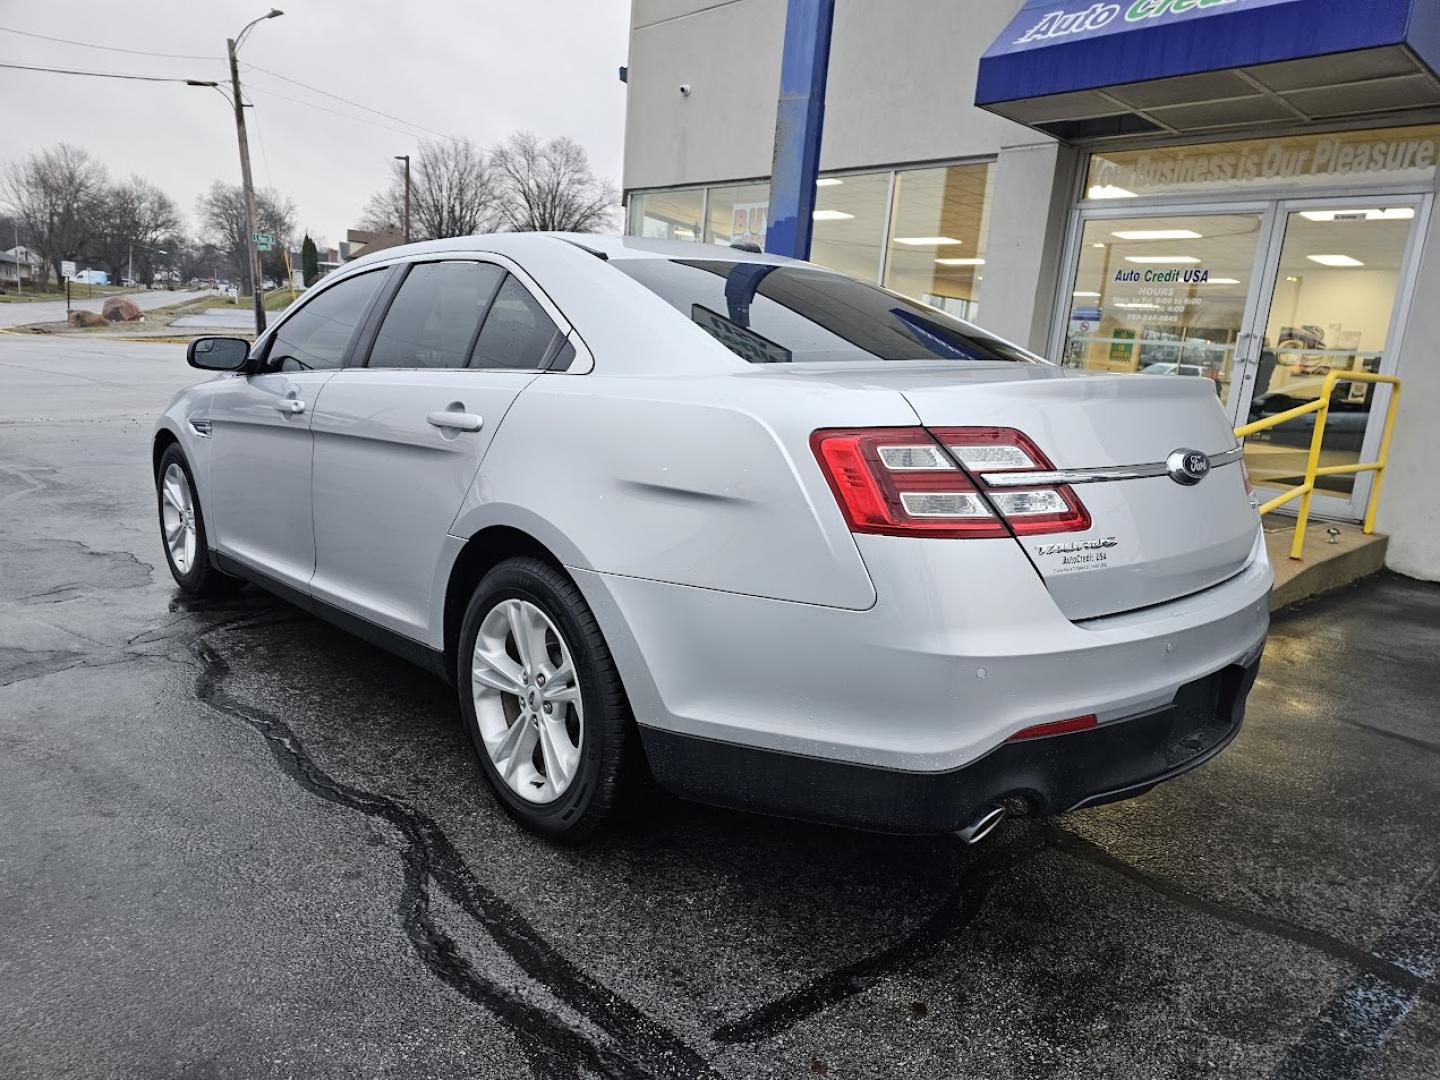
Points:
[[517, 332], [779, 314], [316, 336], [434, 318]]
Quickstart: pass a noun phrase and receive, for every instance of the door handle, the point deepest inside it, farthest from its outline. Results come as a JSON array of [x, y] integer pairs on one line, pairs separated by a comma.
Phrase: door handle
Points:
[[455, 421], [290, 406]]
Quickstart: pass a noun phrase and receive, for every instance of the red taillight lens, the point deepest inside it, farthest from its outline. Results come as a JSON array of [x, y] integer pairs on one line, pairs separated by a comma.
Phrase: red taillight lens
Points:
[[906, 482], [899, 482], [1058, 727]]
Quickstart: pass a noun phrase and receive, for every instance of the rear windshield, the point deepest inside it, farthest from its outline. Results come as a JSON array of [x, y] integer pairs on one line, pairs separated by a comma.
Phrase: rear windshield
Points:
[[770, 314]]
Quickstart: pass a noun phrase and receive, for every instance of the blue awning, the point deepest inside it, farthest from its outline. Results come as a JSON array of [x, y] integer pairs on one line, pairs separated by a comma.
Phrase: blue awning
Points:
[[1095, 68]]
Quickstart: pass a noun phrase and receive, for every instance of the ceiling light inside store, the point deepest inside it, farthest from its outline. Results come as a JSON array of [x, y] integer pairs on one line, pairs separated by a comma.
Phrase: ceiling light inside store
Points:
[[1086, 295], [1223, 281], [1334, 260], [959, 262], [1398, 213], [1169, 260], [828, 181], [1110, 191], [927, 241], [1157, 234], [831, 215]]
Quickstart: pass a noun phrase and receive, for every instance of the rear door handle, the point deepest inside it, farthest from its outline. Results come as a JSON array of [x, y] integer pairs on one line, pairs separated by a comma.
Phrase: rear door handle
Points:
[[290, 406], [455, 421]]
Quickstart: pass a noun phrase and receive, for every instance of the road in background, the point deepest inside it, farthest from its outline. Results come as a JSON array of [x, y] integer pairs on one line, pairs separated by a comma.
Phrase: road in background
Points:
[[239, 843], [42, 311]]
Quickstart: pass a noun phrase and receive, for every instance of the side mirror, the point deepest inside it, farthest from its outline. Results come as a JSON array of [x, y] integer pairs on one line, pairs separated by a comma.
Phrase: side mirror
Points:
[[218, 353]]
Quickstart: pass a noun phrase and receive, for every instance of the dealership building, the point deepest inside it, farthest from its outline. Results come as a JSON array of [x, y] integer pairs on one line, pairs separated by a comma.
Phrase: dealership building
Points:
[[1236, 190]]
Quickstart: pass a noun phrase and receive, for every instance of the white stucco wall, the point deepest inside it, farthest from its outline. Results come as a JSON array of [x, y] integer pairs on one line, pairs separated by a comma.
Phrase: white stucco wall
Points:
[[901, 86], [1410, 498]]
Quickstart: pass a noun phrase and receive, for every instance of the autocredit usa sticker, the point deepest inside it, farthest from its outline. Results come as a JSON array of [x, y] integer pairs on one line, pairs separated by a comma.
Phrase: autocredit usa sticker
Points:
[[1073, 556]]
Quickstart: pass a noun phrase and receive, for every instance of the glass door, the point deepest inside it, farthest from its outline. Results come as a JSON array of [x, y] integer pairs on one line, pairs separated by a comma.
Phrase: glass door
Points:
[[1166, 293], [1334, 281]]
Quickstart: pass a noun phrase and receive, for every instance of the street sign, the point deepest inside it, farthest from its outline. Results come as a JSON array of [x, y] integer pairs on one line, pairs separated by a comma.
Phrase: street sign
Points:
[[67, 268], [264, 241]]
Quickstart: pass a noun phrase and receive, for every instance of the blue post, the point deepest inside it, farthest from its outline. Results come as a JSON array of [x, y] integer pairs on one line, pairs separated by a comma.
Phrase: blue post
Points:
[[799, 118]]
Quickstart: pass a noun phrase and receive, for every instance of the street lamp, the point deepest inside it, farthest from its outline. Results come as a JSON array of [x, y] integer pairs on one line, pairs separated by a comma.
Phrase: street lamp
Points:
[[232, 46], [406, 158]]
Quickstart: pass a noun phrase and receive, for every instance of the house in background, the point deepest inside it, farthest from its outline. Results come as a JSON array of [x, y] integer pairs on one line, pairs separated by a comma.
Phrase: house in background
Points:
[[18, 266]]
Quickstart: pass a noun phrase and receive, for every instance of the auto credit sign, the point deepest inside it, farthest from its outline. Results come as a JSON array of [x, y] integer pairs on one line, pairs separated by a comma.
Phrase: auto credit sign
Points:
[[1050, 23]]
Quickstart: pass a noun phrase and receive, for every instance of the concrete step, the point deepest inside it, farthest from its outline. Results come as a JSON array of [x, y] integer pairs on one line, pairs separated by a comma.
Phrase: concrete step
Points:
[[1325, 565]]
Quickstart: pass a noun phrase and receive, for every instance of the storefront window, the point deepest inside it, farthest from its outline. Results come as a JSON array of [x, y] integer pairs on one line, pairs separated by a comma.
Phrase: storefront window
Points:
[[666, 215], [937, 236], [1295, 162], [850, 223], [738, 214], [1163, 294], [1334, 296]]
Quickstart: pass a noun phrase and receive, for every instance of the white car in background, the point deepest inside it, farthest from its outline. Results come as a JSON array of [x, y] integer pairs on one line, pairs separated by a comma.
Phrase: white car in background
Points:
[[795, 543]]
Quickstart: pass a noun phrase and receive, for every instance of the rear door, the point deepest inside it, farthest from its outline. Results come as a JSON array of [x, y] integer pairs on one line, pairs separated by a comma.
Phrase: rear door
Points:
[[399, 438], [258, 497]]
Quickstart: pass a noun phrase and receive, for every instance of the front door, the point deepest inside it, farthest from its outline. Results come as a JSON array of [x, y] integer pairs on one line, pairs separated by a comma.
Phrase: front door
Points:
[[260, 471], [1262, 300], [399, 439]]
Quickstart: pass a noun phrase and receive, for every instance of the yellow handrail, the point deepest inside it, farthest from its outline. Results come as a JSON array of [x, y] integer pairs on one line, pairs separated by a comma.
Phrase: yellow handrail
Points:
[[1313, 468]]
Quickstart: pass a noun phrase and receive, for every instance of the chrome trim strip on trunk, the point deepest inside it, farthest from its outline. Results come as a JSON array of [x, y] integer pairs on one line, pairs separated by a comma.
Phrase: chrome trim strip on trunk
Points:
[[1017, 479]]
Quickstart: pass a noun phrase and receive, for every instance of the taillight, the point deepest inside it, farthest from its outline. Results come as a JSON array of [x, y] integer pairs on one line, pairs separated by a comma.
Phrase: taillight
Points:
[[899, 482], [918, 482], [1056, 727], [1047, 508]]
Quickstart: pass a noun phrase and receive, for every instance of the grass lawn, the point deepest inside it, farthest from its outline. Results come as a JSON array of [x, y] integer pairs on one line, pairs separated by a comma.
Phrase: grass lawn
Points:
[[77, 292]]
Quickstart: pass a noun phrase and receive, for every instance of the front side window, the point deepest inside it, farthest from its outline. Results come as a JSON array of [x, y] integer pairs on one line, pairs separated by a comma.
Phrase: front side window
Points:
[[433, 320], [316, 336], [517, 333], [779, 314]]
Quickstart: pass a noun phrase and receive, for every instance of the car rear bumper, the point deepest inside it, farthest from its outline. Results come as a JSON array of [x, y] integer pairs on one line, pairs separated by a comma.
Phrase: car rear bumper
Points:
[[1117, 760]]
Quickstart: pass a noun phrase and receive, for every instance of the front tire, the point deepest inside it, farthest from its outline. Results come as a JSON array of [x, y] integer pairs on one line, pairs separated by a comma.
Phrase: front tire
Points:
[[542, 701], [182, 529]]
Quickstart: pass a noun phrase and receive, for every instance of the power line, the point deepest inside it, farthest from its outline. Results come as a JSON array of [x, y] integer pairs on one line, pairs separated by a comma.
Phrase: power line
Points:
[[266, 91], [103, 74], [107, 48], [355, 104]]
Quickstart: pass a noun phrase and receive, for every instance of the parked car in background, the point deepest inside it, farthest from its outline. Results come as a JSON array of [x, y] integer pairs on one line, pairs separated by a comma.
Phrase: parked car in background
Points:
[[781, 539]]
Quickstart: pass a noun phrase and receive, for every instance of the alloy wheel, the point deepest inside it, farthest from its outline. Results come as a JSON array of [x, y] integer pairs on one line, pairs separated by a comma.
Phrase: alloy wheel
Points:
[[527, 700], [177, 513]]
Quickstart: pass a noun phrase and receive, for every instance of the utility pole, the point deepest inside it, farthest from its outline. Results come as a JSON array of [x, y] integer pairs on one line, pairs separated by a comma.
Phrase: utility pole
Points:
[[19, 285], [252, 251], [406, 158]]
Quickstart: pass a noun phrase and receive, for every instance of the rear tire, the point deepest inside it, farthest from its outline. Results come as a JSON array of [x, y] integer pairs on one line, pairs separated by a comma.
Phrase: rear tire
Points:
[[182, 530], [543, 702]]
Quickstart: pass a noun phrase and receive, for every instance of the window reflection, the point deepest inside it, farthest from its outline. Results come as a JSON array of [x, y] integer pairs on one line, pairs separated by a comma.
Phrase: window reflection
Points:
[[937, 236], [850, 223], [667, 215], [738, 215]]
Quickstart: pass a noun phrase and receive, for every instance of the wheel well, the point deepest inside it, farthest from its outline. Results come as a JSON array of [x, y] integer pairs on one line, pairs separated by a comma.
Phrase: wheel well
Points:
[[483, 551], [164, 439]]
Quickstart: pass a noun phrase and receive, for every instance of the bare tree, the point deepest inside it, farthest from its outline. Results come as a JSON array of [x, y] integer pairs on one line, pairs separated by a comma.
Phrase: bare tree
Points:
[[548, 187], [135, 218], [452, 193], [222, 222], [56, 195]]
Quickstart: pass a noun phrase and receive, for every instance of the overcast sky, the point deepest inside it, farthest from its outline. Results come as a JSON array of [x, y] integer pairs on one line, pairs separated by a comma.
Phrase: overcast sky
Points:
[[476, 68]]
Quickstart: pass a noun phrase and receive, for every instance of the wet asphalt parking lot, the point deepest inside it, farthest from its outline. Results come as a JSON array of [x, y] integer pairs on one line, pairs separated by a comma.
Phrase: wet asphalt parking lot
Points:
[[235, 842]]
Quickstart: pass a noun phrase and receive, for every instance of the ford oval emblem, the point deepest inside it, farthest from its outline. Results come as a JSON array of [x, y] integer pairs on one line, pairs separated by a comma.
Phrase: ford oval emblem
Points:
[[1187, 467]]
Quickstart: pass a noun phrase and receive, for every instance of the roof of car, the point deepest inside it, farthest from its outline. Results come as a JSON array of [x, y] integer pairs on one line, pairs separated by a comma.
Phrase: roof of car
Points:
[[607, 247]]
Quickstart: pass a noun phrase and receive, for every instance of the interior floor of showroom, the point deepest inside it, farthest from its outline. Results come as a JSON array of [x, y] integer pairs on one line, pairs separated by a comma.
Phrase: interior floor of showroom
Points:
[[239, 843]]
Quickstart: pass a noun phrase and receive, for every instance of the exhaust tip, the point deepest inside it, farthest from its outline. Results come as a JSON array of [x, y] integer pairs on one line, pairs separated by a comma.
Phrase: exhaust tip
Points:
[[982, 825]]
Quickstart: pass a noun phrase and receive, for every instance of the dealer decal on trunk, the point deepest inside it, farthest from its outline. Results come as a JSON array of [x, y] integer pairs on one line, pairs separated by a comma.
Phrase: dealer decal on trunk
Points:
[[1091, 554]]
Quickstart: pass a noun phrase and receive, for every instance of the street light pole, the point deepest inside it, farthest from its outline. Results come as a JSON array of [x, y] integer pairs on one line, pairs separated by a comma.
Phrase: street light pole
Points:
[[252, 249], [406, 158], [19, 285]]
